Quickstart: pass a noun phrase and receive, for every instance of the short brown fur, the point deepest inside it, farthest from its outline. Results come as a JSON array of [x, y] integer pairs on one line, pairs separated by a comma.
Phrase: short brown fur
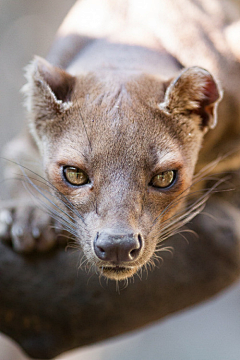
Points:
[[129, 105]]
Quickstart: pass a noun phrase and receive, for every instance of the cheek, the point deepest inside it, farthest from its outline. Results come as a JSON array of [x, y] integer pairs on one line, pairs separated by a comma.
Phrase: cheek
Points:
[[166, 207]]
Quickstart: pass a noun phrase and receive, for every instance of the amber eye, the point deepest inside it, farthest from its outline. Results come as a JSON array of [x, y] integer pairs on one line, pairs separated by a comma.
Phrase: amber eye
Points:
[[164, 179], [75, 176]]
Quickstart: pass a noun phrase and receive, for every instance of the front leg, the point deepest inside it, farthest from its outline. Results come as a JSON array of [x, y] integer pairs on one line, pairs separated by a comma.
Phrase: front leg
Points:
[[27, 227], [195, 272], [22, 221]]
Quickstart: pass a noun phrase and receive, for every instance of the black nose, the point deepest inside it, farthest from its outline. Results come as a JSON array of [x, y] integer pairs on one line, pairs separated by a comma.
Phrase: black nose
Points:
[[117, 248]]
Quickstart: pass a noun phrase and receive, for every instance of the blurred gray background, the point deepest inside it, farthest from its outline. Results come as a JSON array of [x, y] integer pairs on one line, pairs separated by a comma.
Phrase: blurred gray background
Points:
[[207, 332]]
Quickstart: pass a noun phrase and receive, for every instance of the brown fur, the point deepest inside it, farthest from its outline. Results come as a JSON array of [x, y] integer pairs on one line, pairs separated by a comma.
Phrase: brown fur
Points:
[[124, 111]]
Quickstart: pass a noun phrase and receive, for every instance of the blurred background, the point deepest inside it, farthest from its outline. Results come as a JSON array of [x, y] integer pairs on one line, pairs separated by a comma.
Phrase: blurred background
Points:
[[207, 332]]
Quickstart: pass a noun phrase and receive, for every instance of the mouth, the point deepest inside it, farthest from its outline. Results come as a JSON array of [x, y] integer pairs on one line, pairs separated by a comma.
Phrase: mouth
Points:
[[117, 272]]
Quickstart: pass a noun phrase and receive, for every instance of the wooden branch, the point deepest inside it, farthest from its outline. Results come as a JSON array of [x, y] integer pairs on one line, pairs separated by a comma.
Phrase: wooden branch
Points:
[[49, 306]]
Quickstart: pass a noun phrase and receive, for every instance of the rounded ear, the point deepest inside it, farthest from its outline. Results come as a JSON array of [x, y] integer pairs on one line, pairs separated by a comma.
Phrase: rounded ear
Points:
[[48, 90], [194, 91]]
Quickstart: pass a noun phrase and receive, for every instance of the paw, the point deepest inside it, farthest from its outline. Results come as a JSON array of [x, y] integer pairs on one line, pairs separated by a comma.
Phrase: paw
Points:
[[28, 228]]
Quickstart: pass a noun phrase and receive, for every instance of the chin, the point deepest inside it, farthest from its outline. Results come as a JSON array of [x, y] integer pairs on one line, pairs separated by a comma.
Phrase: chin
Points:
[[118, 272]]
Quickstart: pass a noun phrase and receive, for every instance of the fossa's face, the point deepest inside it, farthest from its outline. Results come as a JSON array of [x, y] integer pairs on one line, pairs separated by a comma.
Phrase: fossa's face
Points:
[[121, 160]]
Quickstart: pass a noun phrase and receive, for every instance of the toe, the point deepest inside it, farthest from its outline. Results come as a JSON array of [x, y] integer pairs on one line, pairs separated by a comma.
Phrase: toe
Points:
[[6, 219], [43, 230]]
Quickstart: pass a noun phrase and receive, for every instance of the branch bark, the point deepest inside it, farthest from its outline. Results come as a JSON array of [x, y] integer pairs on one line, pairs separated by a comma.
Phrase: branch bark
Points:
[[49, 306]]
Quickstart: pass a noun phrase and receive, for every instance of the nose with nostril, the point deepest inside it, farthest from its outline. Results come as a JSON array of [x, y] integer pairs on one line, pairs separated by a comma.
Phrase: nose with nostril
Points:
[[117, 248]]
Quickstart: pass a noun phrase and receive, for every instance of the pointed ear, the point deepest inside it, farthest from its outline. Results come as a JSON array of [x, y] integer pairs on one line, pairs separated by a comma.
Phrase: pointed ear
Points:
[[194, 91], [48, 90]]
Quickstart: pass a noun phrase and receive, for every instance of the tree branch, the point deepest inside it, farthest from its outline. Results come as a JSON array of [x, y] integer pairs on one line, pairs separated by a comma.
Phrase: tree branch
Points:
[[49, 306]]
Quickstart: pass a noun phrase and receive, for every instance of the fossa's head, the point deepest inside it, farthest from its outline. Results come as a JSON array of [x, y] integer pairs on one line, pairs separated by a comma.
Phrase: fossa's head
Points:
[[119, 150]]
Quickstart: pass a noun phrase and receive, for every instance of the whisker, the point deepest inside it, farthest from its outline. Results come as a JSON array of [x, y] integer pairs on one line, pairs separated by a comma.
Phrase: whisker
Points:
[[40, 191], [68, 223], [162, 248], [68, 204], [67, 237], [180, 198], [58, 218], [83, 261], [184, 237], [158, 259], [52, 212], [171, 226], [125, 283], [193, 207], [193, 210], [210, 216], [206, 169], [139, 274], [72, 247], [209, 167], [174, 230], [183, 216]]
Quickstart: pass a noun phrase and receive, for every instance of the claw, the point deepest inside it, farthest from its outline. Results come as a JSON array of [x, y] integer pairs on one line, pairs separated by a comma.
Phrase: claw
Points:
[[3, 229], [28, 229], [36, 233], [6, 217], [17, 230]]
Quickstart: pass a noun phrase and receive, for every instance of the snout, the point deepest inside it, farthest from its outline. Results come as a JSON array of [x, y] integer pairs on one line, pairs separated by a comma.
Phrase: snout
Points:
[[118, 249]]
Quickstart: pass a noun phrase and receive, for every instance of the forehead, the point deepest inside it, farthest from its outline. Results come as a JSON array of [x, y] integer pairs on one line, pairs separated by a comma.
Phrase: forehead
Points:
[[119, 117], [121, 103]]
